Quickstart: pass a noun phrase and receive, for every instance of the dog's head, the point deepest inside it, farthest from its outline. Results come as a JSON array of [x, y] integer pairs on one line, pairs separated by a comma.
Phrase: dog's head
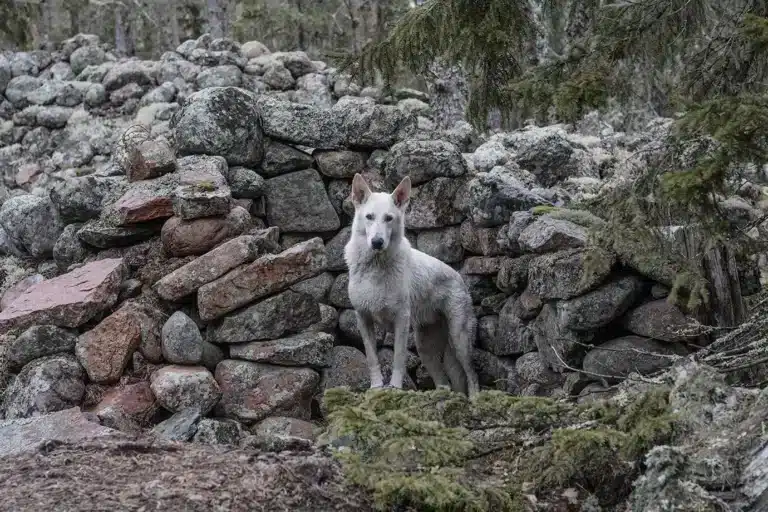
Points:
[[378, 215]]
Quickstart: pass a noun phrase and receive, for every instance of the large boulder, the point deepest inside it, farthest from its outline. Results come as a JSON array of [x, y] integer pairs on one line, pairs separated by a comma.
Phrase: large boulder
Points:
[[423, 160], [32, 223], [254, 391], [297, 202], [598, 308], [45, 385], [39, 341], [287, 312], [660, 320], [222, 121], [568, 274], [180, 387], [306, 349], [492, 197], [617, 358]]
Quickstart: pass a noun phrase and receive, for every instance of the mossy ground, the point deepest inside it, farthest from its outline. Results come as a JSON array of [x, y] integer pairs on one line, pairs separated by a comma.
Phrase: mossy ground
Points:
[[439, 451]]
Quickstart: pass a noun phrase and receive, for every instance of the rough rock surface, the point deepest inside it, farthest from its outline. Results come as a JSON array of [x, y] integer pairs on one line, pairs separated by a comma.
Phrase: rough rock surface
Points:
[[69, 300], [254, 391]]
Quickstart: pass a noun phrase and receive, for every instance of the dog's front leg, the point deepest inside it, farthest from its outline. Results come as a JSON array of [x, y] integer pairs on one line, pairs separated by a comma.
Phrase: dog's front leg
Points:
[[368, 332], [402, 326]]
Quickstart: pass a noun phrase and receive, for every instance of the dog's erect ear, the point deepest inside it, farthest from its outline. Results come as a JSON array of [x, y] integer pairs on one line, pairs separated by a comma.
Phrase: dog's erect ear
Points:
[[402, 193], [360, 190]]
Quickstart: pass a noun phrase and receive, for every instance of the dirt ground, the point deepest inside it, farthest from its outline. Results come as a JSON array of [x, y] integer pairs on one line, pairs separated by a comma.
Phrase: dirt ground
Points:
[[146, 476]]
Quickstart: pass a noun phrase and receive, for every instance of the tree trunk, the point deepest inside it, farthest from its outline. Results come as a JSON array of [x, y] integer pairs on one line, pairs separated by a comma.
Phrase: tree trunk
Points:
[[215, 19], [173, 15], [727, 302], [449, 92], [121, 39]]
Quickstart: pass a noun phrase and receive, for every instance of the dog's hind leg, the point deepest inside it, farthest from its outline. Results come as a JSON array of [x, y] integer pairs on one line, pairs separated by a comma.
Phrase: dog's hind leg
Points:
[[462, 330], [454, 370], [430, 344], [367, 331]]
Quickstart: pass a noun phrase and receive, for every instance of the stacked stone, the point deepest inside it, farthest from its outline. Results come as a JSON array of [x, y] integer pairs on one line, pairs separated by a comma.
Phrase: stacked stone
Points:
[[197, 282]]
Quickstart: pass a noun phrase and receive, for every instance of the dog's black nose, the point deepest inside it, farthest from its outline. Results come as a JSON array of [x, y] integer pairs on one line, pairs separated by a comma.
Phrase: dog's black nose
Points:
[[377, 243]]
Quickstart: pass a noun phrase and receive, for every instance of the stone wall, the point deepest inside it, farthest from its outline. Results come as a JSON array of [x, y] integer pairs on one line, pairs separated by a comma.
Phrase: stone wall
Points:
[[174, 234]]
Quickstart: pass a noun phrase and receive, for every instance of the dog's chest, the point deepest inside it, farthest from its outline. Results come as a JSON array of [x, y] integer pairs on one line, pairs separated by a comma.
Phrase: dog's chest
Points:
[[378, 293]]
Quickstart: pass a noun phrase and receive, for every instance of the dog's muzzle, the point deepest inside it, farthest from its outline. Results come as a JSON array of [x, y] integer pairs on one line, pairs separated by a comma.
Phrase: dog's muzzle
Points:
[[377, 243]]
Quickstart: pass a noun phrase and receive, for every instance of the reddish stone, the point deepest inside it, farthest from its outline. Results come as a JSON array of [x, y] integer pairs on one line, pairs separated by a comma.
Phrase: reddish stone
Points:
[[198, 236], [214, 264], [141, 205], [69, 300], [133, 400], [105, 350], [15, 291], [265, 276], [254, 391]]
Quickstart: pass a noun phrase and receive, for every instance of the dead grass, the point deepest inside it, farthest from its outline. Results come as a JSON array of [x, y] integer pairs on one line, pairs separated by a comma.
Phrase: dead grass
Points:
[[143, 475]]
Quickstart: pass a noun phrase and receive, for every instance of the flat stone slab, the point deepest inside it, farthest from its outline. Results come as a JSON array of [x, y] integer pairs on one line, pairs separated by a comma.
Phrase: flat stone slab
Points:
[[215, 263], [266, 275], [69, 300], [70, 425]]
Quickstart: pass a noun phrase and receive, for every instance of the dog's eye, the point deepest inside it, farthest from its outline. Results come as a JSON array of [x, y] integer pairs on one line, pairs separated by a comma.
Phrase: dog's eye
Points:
[[388, 218], [369, 216]]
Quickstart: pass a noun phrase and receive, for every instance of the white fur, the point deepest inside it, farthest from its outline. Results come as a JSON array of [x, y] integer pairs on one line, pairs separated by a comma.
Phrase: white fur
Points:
[[400, 287]]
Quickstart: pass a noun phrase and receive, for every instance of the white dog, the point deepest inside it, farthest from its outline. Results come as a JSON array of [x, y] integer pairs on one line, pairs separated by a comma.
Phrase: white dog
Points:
[[392, 284]]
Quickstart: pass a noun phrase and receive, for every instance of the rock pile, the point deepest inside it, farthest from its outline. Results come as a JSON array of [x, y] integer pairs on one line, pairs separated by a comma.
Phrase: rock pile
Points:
[[187, 219]]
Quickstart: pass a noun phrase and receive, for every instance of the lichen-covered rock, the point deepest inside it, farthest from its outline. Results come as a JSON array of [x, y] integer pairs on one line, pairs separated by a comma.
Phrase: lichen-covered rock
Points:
[[182, 426], [546, 234], [512, 334], [306, 349], [534, 377], [617, 358], [102, 235], [83, 198], [298, 202], [223, 121], [600, 307], [423, 160], [16, 290], [254, 391], [296, 123], [182, 341], [348, 368], [196, 201], [480, 240], [340, 164], [281, 158], [432, 205], [513, 274], [659, 320], [265, 276], [287, 312], [46, 385], [443, 244], [559, 347], [492, 197], [179, 387], [39, 341], [245, 183], [568, 274], [219, 432], [366, 125], [32, 223]]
